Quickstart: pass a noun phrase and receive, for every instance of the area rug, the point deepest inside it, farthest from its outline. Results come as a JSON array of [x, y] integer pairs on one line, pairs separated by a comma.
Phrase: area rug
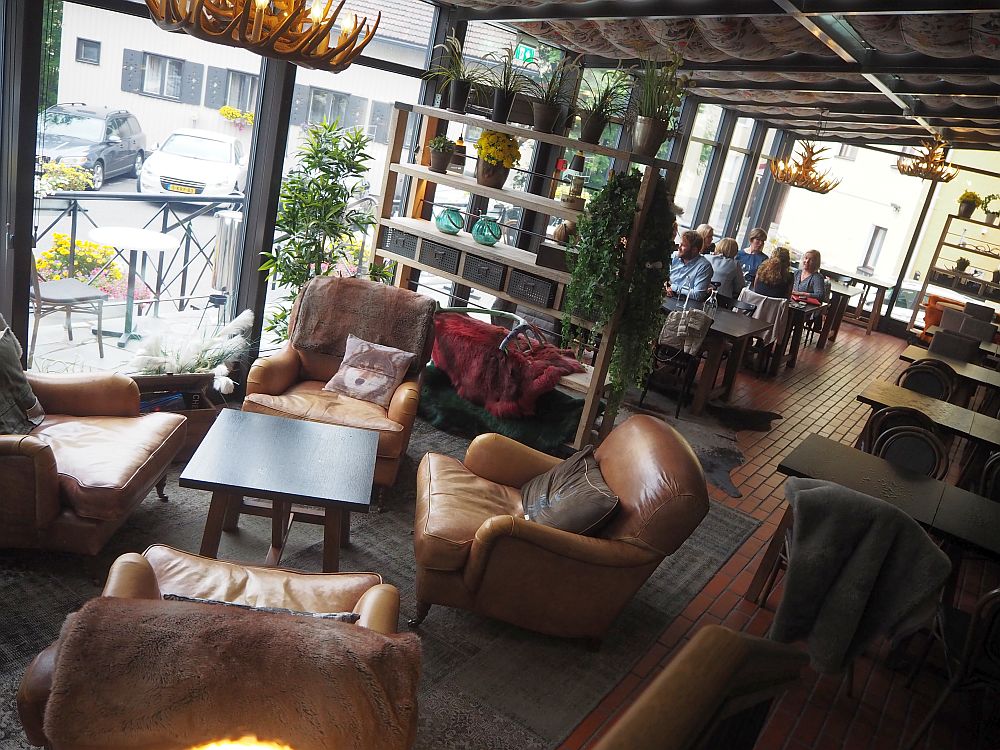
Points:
[[485, 685]]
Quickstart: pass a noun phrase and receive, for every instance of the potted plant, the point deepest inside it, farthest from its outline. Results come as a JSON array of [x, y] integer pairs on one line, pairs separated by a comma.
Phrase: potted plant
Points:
[[441, 147], [961, 264], [967, 203], [507, 82], [454, 75], [602, 100], [660, 93], [553, 95], [320, 214], [498, 153], [991, 206]]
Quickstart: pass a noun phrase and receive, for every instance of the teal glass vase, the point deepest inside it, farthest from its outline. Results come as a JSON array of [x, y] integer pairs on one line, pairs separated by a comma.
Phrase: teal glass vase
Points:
[[486, 231], [449, 221]]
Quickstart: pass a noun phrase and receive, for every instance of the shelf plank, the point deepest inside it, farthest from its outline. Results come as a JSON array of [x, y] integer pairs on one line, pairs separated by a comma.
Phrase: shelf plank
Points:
[[538, 203], [975, 221], [578, 381], [974, 251], [501, 253], [520, 131]]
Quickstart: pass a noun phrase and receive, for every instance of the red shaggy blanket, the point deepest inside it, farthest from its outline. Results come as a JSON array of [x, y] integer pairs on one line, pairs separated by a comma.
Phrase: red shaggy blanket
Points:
[[507, 385]]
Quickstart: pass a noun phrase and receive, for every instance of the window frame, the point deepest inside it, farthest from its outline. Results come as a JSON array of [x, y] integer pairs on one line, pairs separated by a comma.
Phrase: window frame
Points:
[[80, 42], [250, 94], [167, 60]]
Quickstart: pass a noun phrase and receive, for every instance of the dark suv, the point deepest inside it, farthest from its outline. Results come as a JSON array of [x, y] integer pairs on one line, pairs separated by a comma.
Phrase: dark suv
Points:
[[108, 142]]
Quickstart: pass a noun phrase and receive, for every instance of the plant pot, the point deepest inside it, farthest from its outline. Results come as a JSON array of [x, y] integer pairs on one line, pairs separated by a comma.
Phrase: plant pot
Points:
[[965, 209], [996, 277], [591, 127], [503, 101], [649, 135], [491, 175], [545, 116], [440, 160], [991, 218], [458, 95]]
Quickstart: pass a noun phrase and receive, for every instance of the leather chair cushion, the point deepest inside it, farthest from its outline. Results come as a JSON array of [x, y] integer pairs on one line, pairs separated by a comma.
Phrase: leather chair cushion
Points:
[[452, 503], [307, 400], [103, 460], [571, 496], [185, 574]]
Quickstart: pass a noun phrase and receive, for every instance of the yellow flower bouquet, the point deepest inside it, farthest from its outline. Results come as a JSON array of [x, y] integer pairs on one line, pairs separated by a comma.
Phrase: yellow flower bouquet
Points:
[[498, 149]]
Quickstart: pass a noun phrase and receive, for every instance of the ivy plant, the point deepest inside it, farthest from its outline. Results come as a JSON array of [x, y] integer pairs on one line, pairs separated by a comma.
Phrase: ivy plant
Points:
[[320, 212], [599, 280]]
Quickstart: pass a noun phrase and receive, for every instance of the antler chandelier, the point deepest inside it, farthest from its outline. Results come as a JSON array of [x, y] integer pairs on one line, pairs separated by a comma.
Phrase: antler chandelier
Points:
[[928, 163], [803, 173], [283, 29]]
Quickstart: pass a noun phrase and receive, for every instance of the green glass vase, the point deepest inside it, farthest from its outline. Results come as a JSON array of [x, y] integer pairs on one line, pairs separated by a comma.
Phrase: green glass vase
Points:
[[486, 231], [449, 221]]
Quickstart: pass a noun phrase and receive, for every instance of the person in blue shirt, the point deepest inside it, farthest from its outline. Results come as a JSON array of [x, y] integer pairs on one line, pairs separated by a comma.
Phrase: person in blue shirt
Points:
[[751, 257], [690, 272]]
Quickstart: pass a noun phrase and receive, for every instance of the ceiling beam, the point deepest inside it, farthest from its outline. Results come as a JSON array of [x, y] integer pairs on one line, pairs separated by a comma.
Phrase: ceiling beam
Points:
[[941, 88], [832, 109], [873, 63], [862, 119]]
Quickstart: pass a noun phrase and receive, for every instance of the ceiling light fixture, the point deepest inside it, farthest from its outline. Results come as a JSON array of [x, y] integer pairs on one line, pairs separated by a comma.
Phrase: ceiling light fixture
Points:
[[283, 29], [803, 173], [928, 162]]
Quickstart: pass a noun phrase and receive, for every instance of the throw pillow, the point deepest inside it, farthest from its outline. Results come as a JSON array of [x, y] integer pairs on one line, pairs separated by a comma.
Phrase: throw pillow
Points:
[[339, 616], [370, 372], [572, 496], [20, 411]]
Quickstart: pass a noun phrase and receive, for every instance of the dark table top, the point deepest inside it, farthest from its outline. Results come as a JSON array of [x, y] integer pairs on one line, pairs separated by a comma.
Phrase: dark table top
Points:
[[954, 419], [726, 322], [966, 370], [951, 510], [848, 291], [285, 459], [858, 277]]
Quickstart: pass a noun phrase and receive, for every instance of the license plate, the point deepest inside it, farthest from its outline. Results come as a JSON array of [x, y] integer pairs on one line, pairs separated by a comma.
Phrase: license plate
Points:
[[181, 189]]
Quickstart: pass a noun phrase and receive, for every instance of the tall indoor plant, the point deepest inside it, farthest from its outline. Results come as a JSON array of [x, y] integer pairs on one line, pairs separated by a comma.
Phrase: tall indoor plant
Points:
[[507, 82], [660, 91], [320, 212], [602, 99], [454, 75], [553, 94]]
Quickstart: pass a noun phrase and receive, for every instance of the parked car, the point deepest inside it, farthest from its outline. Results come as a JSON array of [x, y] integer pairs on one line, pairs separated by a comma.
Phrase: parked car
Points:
[[195, 162], [106, 141]]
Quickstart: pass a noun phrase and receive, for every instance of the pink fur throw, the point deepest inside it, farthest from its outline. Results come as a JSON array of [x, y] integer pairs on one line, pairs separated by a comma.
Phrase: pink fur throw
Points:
[[136, 673], [507, 385]]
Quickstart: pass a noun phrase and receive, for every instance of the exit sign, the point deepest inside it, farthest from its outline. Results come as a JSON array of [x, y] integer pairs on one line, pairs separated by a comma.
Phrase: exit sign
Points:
[[524, 53]]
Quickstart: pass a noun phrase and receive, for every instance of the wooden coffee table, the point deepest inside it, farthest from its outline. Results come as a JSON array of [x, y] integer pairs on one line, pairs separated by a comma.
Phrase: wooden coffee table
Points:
[[285, 461]]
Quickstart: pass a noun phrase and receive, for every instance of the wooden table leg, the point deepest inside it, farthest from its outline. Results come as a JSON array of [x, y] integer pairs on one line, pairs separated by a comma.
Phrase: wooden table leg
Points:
[[213, 524], [780, 347], [714, 347], [824, 333], [331, 540], [876, 310], [838, 316], [793, 353], [769, 559], [233, 510], [736, 355], [280, 523], [345, 528]]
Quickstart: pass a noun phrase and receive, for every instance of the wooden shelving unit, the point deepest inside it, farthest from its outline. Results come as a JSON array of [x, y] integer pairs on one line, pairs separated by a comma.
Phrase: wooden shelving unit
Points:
[[954, 244], [506, 272]]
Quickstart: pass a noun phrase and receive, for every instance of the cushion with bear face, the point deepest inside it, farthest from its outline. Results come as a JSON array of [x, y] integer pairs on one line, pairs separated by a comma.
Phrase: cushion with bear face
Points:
[[370, 372]]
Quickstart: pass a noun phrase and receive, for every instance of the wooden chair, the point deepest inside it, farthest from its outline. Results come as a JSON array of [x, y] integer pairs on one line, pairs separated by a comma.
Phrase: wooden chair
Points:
[[928, 379], [913, 448], [885, 419], [67, 296], [989, 484]]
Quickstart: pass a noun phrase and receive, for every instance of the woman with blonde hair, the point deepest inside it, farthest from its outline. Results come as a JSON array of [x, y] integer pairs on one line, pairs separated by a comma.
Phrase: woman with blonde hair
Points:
[[727, 272], [808, 279], [774, 277]]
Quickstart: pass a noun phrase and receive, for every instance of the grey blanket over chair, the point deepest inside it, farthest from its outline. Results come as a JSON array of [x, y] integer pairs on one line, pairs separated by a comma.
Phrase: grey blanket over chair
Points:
[[859, 568]]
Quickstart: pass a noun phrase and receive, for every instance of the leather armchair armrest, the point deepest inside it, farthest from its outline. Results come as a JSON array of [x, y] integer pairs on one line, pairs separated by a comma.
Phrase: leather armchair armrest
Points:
[[131, 577], [33, 694], [505, 461], [587, 550], [28, 475], [108, 394], [275, 374], [379, 608], [404, 404]]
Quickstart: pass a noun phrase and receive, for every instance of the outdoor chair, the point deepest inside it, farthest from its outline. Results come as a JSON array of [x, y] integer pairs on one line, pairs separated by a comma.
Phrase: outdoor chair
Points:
[[885, 419], [954, 345], [913, 448], [66, 296], [726, 682], [476, 551], [984, 313], [927, 379]]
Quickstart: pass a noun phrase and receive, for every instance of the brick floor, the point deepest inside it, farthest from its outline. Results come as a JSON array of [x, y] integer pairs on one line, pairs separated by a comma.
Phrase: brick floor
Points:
[[818, 396]]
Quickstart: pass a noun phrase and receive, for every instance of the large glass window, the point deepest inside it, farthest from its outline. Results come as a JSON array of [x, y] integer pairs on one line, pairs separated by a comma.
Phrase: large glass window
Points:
[[161, 76], [757, 186], [697, 157], [727, 189]]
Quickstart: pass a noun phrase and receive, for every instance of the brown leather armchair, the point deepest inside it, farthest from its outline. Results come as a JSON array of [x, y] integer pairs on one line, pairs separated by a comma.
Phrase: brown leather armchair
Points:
[[72, 481], [290, 383], [475, 550], [162, 569]]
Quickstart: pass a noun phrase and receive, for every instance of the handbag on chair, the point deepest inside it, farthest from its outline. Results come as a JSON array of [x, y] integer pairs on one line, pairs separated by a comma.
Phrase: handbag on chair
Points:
[[685, 330]]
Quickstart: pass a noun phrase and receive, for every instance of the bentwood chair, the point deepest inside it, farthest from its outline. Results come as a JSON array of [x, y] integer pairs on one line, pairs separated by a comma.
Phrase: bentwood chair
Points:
[[66, 296], [885, 419], [989, 485], [913, 448], [930, 380]]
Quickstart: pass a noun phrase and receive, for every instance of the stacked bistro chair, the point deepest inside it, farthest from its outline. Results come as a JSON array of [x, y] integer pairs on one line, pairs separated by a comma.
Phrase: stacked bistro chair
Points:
[[930, 378], [885, 419], [951, 319], [955, 345], [475, 550], [984, 313], [978, 329], [989, 485], [914, 448]]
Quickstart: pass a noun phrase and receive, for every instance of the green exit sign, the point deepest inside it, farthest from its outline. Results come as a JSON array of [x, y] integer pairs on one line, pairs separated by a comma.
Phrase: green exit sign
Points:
[[524, 53]]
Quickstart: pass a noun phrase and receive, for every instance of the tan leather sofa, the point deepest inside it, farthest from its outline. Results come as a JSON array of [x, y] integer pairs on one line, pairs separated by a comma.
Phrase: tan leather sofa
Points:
[[72, 481], [290, 384], [475, 550], [162, 569]]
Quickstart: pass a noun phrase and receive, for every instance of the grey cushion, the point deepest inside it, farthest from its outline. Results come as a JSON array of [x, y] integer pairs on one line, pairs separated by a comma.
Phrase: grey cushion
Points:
[[571, 496], [69, 291], [19, 409]]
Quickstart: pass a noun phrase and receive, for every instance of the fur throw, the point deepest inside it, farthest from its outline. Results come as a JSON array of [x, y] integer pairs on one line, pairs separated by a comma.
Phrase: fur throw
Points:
[[507, 385], [858, 568], [329, 308], [170, 675]]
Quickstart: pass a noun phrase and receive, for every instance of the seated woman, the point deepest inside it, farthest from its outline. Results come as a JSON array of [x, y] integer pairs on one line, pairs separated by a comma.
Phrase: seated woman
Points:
[[808, 280], [727, 272], [774, 277]]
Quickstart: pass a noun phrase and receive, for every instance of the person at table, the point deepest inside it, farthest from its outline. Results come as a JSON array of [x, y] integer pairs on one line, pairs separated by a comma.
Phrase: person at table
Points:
[[751, 257], [707, 239], [690, 271], [774, 277], [808, 280], [727, 272]]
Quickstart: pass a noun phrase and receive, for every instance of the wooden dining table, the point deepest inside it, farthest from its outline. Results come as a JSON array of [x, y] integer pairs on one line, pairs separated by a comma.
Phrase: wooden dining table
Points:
[[972, 373], [727, 328], [858, 316]]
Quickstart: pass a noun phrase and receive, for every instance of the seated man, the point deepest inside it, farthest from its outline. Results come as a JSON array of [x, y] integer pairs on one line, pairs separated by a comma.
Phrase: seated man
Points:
[[690, 272]]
